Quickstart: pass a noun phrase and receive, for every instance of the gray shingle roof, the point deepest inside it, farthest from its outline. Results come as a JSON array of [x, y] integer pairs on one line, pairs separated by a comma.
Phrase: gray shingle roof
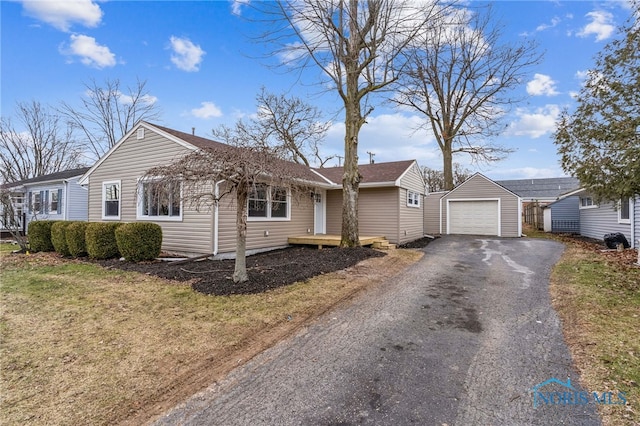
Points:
[[549, 188], [62, 175]]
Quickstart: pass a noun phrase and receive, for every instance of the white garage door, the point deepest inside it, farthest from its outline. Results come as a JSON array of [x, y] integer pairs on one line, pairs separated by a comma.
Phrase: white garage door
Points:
[[473, 217]]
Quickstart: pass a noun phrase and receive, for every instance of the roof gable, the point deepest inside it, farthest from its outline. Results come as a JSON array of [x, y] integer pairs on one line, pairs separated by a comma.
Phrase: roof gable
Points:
[[483, 177]]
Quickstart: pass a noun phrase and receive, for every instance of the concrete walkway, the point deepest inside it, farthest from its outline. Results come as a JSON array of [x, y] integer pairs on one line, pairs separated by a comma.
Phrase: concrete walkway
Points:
[[460, 338]]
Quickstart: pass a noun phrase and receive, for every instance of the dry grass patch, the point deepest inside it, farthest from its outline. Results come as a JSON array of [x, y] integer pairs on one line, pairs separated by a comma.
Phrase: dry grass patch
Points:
[[598, 300], [85, 345]]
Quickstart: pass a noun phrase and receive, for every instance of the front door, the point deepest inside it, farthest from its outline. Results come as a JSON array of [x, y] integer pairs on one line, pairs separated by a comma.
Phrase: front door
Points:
[[319, 212]]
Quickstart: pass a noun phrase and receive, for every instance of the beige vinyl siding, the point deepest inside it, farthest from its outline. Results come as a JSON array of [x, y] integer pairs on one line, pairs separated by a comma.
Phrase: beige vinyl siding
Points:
[[334, 212], [411, 223], [301, 222], [127, 163], [431, 210], [377, 212], [479, 187]]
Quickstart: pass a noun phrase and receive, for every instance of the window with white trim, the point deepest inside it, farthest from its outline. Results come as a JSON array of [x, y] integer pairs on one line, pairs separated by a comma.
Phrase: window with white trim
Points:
[[159, 200], [268, 202], [586, 202], [140, 133], [624, 211], [111, 200], [413, 199], [36, 202], [54, 201]]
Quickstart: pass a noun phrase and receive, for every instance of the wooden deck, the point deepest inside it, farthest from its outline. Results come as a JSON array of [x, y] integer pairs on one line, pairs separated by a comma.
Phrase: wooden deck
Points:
[[331, 240]]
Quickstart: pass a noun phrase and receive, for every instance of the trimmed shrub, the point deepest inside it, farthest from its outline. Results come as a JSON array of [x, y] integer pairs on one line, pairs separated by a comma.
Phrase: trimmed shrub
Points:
[[75, 238], [139, 241], [39, 233], [59, 237], [100, 239]]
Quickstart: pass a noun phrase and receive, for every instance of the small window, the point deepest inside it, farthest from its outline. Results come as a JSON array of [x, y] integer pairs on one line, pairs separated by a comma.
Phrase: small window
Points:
[[586, 202], [623, 211], [140, 133], [54, 204], [413, 199], [268, 202], [111, 200], [36, 204]]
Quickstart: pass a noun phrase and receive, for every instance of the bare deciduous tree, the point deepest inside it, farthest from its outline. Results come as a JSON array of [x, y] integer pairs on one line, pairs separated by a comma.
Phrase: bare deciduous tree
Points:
[[237, 168], [360, 47], [296, 127], [435, 178], [106, 113], [459, 79], [42, 144]]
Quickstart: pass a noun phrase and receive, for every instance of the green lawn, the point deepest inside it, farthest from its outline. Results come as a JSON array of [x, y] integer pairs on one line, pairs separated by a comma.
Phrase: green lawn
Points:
[[598, 299]]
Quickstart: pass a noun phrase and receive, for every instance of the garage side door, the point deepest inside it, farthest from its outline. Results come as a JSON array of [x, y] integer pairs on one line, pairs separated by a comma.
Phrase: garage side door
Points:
[[473, 217]]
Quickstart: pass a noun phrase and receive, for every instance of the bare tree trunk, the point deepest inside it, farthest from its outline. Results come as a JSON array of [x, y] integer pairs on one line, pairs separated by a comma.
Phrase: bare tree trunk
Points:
[[353, 122], [447, 166], [240, 271]]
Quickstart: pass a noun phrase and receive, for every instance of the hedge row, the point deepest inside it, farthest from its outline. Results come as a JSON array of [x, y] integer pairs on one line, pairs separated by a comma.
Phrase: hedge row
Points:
[[99, 240]]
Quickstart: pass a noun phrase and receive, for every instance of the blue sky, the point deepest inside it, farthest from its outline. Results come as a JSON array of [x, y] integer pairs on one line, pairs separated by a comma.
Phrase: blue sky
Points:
[[203, 69]]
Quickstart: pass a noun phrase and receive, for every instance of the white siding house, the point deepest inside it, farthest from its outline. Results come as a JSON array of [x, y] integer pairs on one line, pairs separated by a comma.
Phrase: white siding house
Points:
[[597, 220], [56, 196]]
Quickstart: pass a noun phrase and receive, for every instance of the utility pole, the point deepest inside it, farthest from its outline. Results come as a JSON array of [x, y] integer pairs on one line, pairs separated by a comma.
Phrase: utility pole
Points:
[[371, 155], [339, 160]]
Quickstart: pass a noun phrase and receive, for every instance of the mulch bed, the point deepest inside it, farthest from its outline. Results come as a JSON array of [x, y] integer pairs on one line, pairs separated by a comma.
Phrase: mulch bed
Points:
[[417, 244], [626, 258], [266, 270]]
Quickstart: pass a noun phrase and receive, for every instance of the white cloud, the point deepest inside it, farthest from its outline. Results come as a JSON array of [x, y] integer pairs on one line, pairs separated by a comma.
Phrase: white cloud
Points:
[[207, 110], [391, 137], [62, 14], [554, 22], [186, 55], [601, 25], [90, 52], [535, 124], [236, 6], [541, 85]]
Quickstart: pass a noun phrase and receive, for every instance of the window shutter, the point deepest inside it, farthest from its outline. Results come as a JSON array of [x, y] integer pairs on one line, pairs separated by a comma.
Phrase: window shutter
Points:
[[30, 202], [45, 200], [59, 201]]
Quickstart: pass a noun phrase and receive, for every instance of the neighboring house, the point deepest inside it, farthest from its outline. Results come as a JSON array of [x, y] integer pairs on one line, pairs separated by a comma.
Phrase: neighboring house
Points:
[[478, 206], [538, 193], [597, 220], [563, 215], [544, 191], [56, 196], [389, 202]]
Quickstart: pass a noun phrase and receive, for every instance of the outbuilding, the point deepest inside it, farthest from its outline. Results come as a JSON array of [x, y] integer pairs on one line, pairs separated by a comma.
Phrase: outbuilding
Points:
[[478, 206]]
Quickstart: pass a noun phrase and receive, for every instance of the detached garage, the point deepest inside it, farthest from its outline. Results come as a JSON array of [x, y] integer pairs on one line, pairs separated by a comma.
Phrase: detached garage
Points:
[[478, 206]]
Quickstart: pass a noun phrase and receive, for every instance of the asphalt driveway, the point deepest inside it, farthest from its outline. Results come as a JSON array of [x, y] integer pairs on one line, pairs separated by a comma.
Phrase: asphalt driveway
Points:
[[460, 338]]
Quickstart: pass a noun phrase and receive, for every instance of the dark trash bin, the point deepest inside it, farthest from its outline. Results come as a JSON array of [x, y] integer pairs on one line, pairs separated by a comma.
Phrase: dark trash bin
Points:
[[612, 240]]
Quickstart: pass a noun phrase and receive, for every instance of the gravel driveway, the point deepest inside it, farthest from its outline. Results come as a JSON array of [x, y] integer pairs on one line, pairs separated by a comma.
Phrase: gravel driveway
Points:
[[460, 338]]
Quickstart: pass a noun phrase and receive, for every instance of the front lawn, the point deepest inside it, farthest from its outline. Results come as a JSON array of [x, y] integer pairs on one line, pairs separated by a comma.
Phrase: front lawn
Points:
[[85, 345], [597, 295]]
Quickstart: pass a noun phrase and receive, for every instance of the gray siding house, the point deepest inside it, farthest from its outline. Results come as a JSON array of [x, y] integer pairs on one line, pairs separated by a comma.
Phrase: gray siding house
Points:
[[597, 220], [563, 215], [56, 196], [389, 200]]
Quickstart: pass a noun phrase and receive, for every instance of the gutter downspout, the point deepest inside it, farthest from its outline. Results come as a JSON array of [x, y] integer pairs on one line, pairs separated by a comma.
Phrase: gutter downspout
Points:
[[632, 216], [215, 219]]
